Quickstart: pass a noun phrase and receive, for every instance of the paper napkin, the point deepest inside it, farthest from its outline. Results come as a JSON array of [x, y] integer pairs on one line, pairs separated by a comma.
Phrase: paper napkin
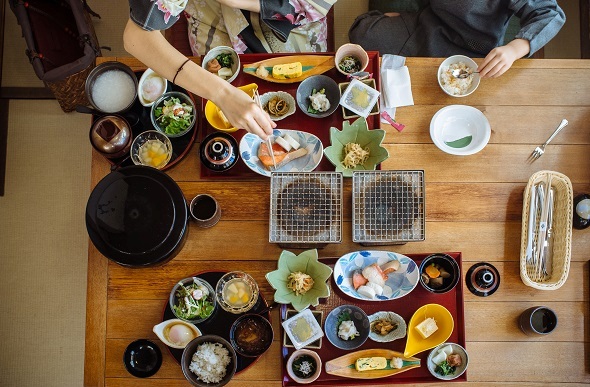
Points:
[[395, 84]]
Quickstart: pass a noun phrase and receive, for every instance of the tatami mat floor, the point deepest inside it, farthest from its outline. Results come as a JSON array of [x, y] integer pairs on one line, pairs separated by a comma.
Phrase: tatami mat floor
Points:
[[43, 240]]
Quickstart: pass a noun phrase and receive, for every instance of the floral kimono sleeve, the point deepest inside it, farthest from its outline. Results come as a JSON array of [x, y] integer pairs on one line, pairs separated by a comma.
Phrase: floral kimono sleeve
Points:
[[284, 15], [155, 14]]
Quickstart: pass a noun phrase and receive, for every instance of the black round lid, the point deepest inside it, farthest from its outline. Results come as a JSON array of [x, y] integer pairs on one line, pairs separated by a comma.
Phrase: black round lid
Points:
[[482, 279], [142, 358], [136, 216]]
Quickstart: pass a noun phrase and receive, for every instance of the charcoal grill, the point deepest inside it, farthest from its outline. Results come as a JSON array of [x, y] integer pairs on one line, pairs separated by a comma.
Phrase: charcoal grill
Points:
[[388, 207], [305, 209]]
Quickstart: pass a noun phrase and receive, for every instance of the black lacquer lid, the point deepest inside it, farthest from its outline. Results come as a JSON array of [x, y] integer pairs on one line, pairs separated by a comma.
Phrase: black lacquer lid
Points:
[[137, 216], [482, 279]]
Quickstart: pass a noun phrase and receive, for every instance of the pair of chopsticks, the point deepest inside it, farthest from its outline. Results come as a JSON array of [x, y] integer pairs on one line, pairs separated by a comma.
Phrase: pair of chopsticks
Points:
[[268, 142]]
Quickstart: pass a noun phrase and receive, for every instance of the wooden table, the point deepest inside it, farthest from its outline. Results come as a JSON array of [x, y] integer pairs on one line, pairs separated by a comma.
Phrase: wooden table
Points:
[[474, 205]]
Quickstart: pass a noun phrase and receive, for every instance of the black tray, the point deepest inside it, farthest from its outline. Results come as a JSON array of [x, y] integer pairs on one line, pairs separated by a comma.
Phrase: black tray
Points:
[[180, 145], [221, 321]]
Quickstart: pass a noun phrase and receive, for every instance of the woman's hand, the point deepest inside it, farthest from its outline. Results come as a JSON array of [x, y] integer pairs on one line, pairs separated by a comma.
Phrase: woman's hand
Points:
[[244, 113], [500, 59]]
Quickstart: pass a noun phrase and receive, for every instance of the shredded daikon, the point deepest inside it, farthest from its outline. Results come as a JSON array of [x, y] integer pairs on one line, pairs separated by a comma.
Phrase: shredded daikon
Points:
[[354, 155], [299, 282]]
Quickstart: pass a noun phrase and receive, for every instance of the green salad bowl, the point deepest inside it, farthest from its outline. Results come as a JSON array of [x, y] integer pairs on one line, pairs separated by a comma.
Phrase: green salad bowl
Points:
[[306, 262], [358, 132]]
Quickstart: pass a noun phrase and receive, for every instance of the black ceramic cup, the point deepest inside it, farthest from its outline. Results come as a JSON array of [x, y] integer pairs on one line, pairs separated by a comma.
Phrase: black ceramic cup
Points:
[[205, 210], [538, 320]]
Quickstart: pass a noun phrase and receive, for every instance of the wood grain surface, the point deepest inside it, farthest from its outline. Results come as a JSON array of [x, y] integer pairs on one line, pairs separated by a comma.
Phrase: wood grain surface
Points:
[[473, 205]]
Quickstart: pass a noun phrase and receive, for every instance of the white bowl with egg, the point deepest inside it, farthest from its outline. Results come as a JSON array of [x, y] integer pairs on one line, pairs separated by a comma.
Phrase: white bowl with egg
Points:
[[176, 333], [214, 53], [456, 87], [151, 86]]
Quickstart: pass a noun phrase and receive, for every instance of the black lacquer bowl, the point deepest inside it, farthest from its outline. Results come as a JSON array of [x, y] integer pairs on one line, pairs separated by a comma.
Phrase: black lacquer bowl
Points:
[[137, 216]]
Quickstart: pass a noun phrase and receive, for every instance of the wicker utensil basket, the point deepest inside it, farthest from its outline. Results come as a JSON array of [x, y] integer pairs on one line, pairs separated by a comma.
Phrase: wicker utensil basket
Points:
[[562, 230]]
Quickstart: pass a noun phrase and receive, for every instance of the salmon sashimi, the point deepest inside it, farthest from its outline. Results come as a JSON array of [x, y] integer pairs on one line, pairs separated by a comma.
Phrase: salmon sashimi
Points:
[[358, 280], [265, 157]]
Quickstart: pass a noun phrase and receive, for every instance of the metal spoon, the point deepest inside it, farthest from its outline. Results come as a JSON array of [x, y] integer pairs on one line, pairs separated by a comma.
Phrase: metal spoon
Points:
[[460, 73]]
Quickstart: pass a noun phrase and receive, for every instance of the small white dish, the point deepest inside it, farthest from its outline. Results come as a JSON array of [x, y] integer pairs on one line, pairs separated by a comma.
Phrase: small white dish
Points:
[[215, 51], [150, 87], [250, 143], [185, 332], [297, 354], [456, 349], [460, 130], [397, 333], [283, 95], [444, 67], [303, 323], [359, 98]]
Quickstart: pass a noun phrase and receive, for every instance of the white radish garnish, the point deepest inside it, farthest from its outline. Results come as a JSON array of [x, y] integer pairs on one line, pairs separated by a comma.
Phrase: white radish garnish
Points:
[[376, 287], [366, 291], [294, 144], [283, 143]]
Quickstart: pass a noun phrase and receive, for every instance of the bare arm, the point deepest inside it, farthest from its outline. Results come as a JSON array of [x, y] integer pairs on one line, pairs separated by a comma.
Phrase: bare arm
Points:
[[500, 59], [151, 48]]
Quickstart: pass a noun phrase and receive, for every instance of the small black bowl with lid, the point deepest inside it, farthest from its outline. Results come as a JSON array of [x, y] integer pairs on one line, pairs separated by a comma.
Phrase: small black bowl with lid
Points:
[[439, 273], [219, 152]]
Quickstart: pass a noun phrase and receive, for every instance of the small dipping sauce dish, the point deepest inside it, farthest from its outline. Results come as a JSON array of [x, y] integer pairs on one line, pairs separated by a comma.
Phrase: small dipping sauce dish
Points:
[[176, 333], [251, 335], [111, 136]]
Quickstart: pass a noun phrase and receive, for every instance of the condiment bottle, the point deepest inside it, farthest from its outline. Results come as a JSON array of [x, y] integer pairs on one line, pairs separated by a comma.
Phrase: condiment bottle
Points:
[[581, 216]]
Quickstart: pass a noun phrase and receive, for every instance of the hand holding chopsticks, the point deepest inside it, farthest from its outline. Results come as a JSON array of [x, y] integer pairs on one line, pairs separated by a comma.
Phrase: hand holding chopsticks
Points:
[[268, 142]]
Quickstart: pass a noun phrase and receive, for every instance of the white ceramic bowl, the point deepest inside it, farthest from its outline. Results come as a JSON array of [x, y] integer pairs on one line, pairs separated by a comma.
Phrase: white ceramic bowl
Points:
[[298, 354], [235, 68], [148, 94], [456, 348], [456, 59], [452, 125]]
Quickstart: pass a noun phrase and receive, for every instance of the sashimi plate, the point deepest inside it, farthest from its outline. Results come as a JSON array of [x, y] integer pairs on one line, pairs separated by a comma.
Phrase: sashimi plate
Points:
[[249, 151], [397, 285]]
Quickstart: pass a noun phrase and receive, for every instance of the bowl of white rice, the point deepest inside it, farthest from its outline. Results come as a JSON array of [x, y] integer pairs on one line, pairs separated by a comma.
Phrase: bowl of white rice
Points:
[[209, 361], [457, 87]]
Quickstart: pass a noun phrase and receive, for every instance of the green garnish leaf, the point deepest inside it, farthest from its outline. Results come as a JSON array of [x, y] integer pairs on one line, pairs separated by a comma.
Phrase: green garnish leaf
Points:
[[444, 369], [460, 143]]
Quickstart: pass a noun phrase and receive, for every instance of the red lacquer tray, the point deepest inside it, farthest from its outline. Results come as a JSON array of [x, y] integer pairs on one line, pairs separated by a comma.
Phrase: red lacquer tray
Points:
[[405, 307], [298, 121]]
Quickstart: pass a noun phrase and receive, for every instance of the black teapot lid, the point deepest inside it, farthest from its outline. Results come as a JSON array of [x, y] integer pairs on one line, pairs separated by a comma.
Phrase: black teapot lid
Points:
[[136, 216], [219, 151], [482, 279]]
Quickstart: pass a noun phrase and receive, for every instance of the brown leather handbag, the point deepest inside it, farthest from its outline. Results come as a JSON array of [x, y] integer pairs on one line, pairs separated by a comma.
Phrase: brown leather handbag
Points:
[[61, 45]]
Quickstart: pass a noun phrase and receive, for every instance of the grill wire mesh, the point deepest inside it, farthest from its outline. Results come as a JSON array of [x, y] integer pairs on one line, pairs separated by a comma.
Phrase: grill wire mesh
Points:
[[306, 207], [388, 207]]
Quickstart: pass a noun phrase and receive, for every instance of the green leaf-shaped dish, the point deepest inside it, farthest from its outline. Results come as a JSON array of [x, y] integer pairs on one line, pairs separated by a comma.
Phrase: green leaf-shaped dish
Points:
[[358, 133], [306, 262]]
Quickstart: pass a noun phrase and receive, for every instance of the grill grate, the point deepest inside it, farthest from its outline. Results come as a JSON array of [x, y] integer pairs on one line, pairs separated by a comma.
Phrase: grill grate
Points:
[[306, 208], [388, 207]]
